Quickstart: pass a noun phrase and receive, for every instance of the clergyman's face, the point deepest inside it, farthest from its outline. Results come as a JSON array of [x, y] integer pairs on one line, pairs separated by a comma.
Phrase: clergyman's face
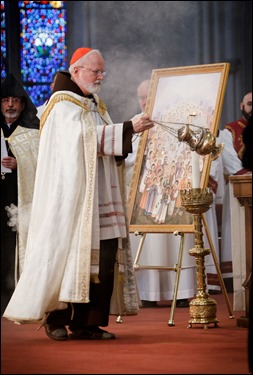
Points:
[[246, 106], [90, 74], [12, 108]]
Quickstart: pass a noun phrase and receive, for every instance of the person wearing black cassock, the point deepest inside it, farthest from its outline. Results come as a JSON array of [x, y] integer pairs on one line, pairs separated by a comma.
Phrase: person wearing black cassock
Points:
[[19, 133]]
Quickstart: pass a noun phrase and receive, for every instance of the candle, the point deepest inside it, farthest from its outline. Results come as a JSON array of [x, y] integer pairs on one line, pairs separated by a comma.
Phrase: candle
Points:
[[195, 170]]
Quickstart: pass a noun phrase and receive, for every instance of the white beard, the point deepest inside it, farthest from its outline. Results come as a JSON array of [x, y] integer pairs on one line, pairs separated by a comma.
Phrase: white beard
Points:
[[12, 115]]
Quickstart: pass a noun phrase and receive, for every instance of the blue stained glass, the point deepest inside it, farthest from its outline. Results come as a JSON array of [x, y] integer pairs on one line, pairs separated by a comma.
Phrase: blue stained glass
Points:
[[42, 46], [3, 42], [2, 15], [36, 4], [38, 93]]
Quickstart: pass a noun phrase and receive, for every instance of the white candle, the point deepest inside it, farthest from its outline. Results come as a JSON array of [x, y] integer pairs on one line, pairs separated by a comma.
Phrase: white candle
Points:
[[195, 170]]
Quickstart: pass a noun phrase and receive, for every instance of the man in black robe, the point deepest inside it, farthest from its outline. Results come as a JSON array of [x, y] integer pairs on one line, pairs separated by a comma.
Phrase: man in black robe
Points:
[[17, 110]]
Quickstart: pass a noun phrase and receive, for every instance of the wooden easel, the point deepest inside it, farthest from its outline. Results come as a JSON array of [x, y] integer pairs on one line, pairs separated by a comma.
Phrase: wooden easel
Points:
[[177, 268]]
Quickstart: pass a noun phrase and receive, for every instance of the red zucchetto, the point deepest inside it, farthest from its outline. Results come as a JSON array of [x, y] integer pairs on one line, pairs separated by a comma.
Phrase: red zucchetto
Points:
[[80, 52]]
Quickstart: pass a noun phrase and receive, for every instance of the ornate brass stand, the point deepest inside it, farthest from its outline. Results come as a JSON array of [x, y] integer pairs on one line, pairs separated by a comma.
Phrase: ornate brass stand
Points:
[[202, 308]]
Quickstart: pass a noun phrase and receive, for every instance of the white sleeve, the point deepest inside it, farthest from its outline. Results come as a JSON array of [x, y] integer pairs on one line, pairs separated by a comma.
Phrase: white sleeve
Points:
[[214, 171], [110, 139], [40, 109], [231, 162]]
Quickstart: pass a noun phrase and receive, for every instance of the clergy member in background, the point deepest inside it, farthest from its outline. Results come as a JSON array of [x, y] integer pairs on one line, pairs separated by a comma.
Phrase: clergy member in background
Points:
[[20, 140]]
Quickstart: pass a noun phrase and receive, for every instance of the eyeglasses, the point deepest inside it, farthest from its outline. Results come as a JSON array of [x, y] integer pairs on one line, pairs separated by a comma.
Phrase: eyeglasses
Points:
[[13, 99], [95, 72]]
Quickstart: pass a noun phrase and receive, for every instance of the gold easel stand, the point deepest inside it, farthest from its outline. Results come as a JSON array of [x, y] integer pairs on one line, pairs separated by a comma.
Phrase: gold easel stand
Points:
[[176, 267], [202, 308]]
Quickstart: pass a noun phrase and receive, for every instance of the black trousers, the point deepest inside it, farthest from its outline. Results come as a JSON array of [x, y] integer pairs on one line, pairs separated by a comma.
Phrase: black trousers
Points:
[[96, 312], [9, 194]]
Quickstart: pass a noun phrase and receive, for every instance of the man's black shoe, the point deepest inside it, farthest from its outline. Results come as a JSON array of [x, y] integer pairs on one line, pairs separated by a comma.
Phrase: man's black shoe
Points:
[[145, 303], [214, 292], [91, 333], [182, 302], [58, 333]]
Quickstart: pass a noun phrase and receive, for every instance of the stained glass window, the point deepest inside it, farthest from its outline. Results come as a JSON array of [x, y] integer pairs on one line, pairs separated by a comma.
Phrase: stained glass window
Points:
[[3, 42], [43, 48]]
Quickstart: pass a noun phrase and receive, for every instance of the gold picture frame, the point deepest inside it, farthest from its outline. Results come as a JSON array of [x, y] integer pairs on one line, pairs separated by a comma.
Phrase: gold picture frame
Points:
[[177, 96]]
